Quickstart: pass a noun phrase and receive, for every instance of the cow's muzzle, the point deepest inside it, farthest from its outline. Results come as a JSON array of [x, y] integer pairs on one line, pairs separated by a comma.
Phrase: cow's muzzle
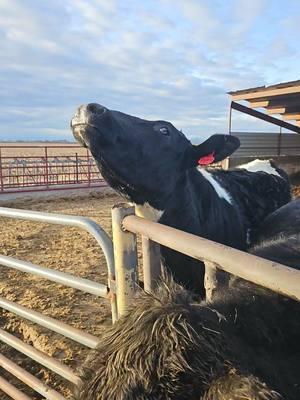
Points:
[[86, 120], [88, 114]]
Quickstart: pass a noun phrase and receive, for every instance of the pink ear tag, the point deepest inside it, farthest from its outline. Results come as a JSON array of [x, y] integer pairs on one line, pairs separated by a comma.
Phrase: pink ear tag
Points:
[[209, 159]]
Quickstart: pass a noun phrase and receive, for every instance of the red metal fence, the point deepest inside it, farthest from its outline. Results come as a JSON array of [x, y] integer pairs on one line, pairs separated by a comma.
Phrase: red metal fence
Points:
[[36, 168]]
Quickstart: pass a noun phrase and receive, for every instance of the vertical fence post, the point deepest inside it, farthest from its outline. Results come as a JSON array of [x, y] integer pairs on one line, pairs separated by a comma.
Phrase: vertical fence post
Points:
[[23, 174], [125, 253], [214, 279], [230, 119], [1, 173], [210, 280], [46, 165], [88, 166], [151, 263], [279, 141], [76, 168]]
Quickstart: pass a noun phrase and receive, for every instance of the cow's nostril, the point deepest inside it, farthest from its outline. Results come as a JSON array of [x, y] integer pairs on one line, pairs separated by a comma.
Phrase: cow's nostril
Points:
[[95, 108]]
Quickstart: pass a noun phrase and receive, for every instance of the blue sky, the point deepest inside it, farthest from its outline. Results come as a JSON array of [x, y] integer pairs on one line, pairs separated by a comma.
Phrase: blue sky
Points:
[[172, 60]]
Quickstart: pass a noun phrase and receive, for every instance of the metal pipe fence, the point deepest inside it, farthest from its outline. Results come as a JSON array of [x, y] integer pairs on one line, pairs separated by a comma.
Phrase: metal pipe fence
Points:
[[28, 379], [86, 285], [122, 264], [277, 277], [40, 168]]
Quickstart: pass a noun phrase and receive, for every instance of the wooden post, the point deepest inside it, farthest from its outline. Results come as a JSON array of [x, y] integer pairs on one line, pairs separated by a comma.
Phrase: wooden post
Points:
[[125, 253]]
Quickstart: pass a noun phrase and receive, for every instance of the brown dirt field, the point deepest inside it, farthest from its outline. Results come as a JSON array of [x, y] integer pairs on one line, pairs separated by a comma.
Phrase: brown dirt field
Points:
[[36, 149], [65, 249]]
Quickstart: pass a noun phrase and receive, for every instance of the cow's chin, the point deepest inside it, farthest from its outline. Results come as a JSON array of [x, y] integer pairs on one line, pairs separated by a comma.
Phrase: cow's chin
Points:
[[85, 134], [79, 133]]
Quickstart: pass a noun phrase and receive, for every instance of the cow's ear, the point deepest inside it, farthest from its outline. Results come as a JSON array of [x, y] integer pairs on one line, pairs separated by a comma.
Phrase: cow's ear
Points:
[[215, 149]]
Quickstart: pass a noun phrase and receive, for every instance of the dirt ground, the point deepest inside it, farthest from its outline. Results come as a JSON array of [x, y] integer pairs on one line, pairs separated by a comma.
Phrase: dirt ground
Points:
[[65, 249]]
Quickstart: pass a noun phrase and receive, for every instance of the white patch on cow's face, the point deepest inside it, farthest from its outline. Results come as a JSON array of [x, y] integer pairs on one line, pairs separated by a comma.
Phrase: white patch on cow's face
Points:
[[148, 212], [260, 166], [221, 192]]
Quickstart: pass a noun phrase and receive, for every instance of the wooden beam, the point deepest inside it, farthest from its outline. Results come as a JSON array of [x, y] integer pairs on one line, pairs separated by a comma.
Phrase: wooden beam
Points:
[[290, 101], [283, 110], [258, 103], [288, 116], [275, 110], [267, 93], [264, 117]]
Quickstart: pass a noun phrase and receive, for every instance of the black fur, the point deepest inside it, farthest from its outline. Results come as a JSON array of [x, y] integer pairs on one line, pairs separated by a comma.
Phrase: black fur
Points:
[[244, 345], [278, 238], [151, 161]]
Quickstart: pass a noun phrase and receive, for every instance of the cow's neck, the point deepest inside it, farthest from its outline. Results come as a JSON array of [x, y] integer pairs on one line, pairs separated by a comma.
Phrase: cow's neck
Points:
[[148, 212]]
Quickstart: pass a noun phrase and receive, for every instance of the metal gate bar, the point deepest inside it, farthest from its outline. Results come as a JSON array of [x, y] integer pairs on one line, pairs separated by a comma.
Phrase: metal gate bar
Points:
[[29, 380], [69, 220], [40, 357], [88, 225], [63, 278], [56, 326], [12, 391], [277, 277], [86, 285]]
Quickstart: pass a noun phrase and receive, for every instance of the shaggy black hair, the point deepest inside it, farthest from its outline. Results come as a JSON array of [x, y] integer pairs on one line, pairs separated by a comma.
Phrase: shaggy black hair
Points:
[[244, 346]]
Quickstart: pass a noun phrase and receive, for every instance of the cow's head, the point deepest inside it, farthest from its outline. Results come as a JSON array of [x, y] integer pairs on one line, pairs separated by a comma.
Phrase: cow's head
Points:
[[143, 159]]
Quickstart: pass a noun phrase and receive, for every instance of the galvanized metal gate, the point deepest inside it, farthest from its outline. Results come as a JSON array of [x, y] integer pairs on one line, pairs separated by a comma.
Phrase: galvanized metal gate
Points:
[[122, 263], [86, 285], [216, 257]]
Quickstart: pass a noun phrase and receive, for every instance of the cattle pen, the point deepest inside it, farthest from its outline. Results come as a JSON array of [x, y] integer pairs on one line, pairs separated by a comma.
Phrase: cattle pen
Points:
[[31, 168], [122, 262]]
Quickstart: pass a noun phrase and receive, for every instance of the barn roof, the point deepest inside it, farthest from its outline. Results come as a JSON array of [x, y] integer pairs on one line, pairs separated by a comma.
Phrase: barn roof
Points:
[[282, 99]]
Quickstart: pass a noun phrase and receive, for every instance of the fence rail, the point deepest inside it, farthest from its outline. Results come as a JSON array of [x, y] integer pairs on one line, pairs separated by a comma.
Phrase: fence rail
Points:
[[36, 168], [86, 285], [277, 277]]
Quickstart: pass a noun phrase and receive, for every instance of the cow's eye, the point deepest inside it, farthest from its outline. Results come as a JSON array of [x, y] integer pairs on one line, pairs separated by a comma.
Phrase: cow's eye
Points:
[[164, 130]]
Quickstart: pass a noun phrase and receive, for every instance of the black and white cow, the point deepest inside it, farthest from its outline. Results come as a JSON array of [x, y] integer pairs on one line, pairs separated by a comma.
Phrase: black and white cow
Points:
[[245, 344], [154, 165]]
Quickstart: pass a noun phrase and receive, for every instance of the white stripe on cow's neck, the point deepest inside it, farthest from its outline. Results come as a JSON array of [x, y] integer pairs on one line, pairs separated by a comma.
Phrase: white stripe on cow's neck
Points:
[[260, 166], [148, 212], [221, 192]]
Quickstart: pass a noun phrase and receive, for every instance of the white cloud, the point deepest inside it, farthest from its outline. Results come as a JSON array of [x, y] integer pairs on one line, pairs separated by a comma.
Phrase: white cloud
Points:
[[155, 59]]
